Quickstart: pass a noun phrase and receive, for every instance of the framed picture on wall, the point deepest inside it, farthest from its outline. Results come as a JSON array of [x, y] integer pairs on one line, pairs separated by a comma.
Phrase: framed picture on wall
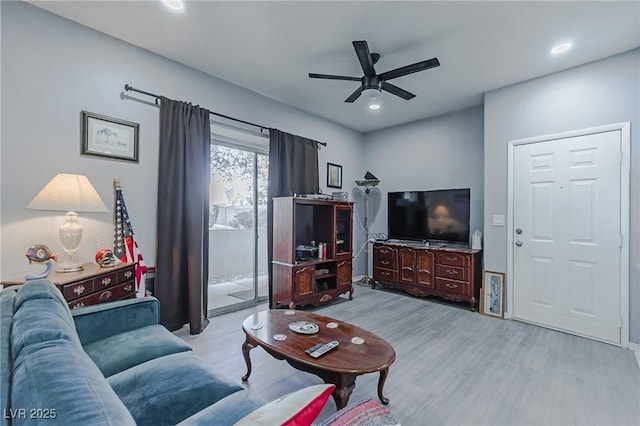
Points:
[[109, 137], [334, 175], [492, 295]]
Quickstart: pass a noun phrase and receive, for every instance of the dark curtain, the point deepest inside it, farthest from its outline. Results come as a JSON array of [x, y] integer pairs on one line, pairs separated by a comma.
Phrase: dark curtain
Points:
[[293, 169], [182, 245]]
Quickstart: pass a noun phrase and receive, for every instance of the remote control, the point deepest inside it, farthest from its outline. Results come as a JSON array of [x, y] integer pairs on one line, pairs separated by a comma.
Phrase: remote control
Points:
[[324, 349], [314, 348]]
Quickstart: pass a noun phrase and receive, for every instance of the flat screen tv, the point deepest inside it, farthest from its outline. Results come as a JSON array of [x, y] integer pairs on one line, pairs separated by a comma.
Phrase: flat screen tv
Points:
[[438, 216]]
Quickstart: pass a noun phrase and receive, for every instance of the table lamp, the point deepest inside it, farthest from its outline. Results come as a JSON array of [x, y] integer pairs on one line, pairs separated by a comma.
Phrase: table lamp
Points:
[[70, 193]]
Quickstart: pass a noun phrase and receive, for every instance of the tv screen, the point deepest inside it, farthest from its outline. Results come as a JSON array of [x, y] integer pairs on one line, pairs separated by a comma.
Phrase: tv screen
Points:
[[439, 216]]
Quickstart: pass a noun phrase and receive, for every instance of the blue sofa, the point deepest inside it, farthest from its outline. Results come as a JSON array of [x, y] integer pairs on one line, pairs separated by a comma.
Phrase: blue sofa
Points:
[[110, 364]]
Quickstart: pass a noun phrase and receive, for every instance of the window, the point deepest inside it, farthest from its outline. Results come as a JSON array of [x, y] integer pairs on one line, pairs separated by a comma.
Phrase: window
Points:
[[238, 217]]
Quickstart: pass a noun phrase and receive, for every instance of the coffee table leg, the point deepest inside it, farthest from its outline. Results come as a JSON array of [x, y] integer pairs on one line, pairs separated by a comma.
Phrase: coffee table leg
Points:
[[345, 383], [246, 347], [383, 378]]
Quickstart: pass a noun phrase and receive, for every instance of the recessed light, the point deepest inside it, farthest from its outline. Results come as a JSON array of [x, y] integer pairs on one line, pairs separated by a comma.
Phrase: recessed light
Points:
[[561, 48], [173, 4]]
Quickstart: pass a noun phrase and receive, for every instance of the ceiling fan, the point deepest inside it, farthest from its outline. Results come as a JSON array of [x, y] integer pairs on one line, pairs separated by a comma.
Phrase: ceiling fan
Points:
[[374, 83]]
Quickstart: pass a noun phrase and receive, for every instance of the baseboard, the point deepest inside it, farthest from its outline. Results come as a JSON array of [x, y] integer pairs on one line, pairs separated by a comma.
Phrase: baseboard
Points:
[[636, 349], [356, 278]]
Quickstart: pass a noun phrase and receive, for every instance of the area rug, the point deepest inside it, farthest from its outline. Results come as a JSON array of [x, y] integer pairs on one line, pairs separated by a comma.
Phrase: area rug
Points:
[[247, 294], [363, 413]]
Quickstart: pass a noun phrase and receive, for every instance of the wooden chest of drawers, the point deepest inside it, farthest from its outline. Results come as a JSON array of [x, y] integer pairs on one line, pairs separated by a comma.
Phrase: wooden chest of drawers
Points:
[[385, 264], [92, 285], [453, 274]]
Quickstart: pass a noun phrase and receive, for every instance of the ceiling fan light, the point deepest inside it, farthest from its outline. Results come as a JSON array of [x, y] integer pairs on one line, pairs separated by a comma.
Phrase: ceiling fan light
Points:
[[374, 105], [371, 93]]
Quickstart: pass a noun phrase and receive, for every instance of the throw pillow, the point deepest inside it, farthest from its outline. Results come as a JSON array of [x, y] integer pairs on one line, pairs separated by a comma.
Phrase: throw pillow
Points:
[[298, 408]]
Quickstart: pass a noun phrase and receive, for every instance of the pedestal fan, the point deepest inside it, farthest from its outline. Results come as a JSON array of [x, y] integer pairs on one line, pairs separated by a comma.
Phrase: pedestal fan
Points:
[[367, 204]]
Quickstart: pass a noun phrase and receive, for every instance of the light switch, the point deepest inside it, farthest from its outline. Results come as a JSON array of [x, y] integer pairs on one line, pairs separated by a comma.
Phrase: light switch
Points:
[[498, 220]]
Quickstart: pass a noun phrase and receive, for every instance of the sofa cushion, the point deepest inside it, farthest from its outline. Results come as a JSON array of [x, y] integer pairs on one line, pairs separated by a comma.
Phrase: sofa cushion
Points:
[[42, 289], [167, 390], [125, 350], [60, 380], [97, 322], [39, 320], [226, 411], [7, 297]]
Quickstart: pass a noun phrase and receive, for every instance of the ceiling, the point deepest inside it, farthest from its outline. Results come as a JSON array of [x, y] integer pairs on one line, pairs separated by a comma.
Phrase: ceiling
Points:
[[270, 47]]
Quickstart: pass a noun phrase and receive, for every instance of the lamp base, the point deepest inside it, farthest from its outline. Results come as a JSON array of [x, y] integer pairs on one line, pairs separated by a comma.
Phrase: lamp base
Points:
[[70, 233], [69, 267]]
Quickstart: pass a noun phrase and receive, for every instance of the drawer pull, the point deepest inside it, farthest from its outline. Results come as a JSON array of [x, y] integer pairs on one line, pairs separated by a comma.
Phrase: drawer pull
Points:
[[128, 274], [106, 295], [452, 272], [79, 290], [128, 287], [384, 251], [78, 305], [106, 281], [386, 274], [385, 262], [451, 258], [451, 285]]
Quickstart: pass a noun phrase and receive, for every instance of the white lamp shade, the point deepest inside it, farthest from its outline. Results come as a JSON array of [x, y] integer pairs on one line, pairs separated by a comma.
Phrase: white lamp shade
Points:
[[67, 192]]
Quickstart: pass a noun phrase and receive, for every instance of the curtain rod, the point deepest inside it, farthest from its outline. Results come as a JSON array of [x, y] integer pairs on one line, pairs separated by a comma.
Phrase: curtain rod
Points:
[[128, 88]]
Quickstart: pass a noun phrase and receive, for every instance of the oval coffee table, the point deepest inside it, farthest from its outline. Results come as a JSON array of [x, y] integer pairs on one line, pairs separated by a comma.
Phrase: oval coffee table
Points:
[[340, 366]]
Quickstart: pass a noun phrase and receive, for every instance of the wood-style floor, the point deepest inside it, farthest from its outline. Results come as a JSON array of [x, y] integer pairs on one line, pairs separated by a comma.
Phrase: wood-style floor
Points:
[[453, 366]]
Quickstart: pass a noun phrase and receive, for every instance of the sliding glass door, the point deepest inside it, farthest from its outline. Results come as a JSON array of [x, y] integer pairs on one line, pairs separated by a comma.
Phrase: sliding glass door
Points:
[[238, 227]]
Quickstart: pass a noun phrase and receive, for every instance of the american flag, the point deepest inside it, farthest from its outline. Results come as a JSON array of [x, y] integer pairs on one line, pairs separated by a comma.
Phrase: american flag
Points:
[[125, 246]]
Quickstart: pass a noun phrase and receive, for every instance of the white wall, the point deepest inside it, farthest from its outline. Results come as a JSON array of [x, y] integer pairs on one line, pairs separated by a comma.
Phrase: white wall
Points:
[[603, 92], [438, 153], [52, 69]]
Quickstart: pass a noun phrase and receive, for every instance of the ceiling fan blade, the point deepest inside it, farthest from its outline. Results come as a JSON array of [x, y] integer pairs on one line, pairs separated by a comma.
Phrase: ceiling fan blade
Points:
[[364, 56], [355, 95], [397, 91], [410, 69], [334, 77]]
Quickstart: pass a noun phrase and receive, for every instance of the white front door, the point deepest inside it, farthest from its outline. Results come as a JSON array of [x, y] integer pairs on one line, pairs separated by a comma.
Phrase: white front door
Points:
[[567, 234]]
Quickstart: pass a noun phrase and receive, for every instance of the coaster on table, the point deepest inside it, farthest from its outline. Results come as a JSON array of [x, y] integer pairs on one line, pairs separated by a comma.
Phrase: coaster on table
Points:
[[256, 326], [357, 340], [279, 337], [289, 312], [332, 325]]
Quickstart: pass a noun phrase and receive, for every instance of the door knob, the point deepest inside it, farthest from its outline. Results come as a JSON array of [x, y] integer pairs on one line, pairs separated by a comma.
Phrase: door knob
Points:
[[519, 243], [518, 231]]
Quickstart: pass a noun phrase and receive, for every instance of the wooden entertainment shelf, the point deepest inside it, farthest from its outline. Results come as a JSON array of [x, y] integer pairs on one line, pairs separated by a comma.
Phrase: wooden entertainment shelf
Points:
[[311, 280], [448, 272]]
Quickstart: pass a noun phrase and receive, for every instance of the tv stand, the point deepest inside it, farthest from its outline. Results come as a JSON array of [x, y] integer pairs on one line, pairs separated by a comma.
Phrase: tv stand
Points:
[[452, 273]]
